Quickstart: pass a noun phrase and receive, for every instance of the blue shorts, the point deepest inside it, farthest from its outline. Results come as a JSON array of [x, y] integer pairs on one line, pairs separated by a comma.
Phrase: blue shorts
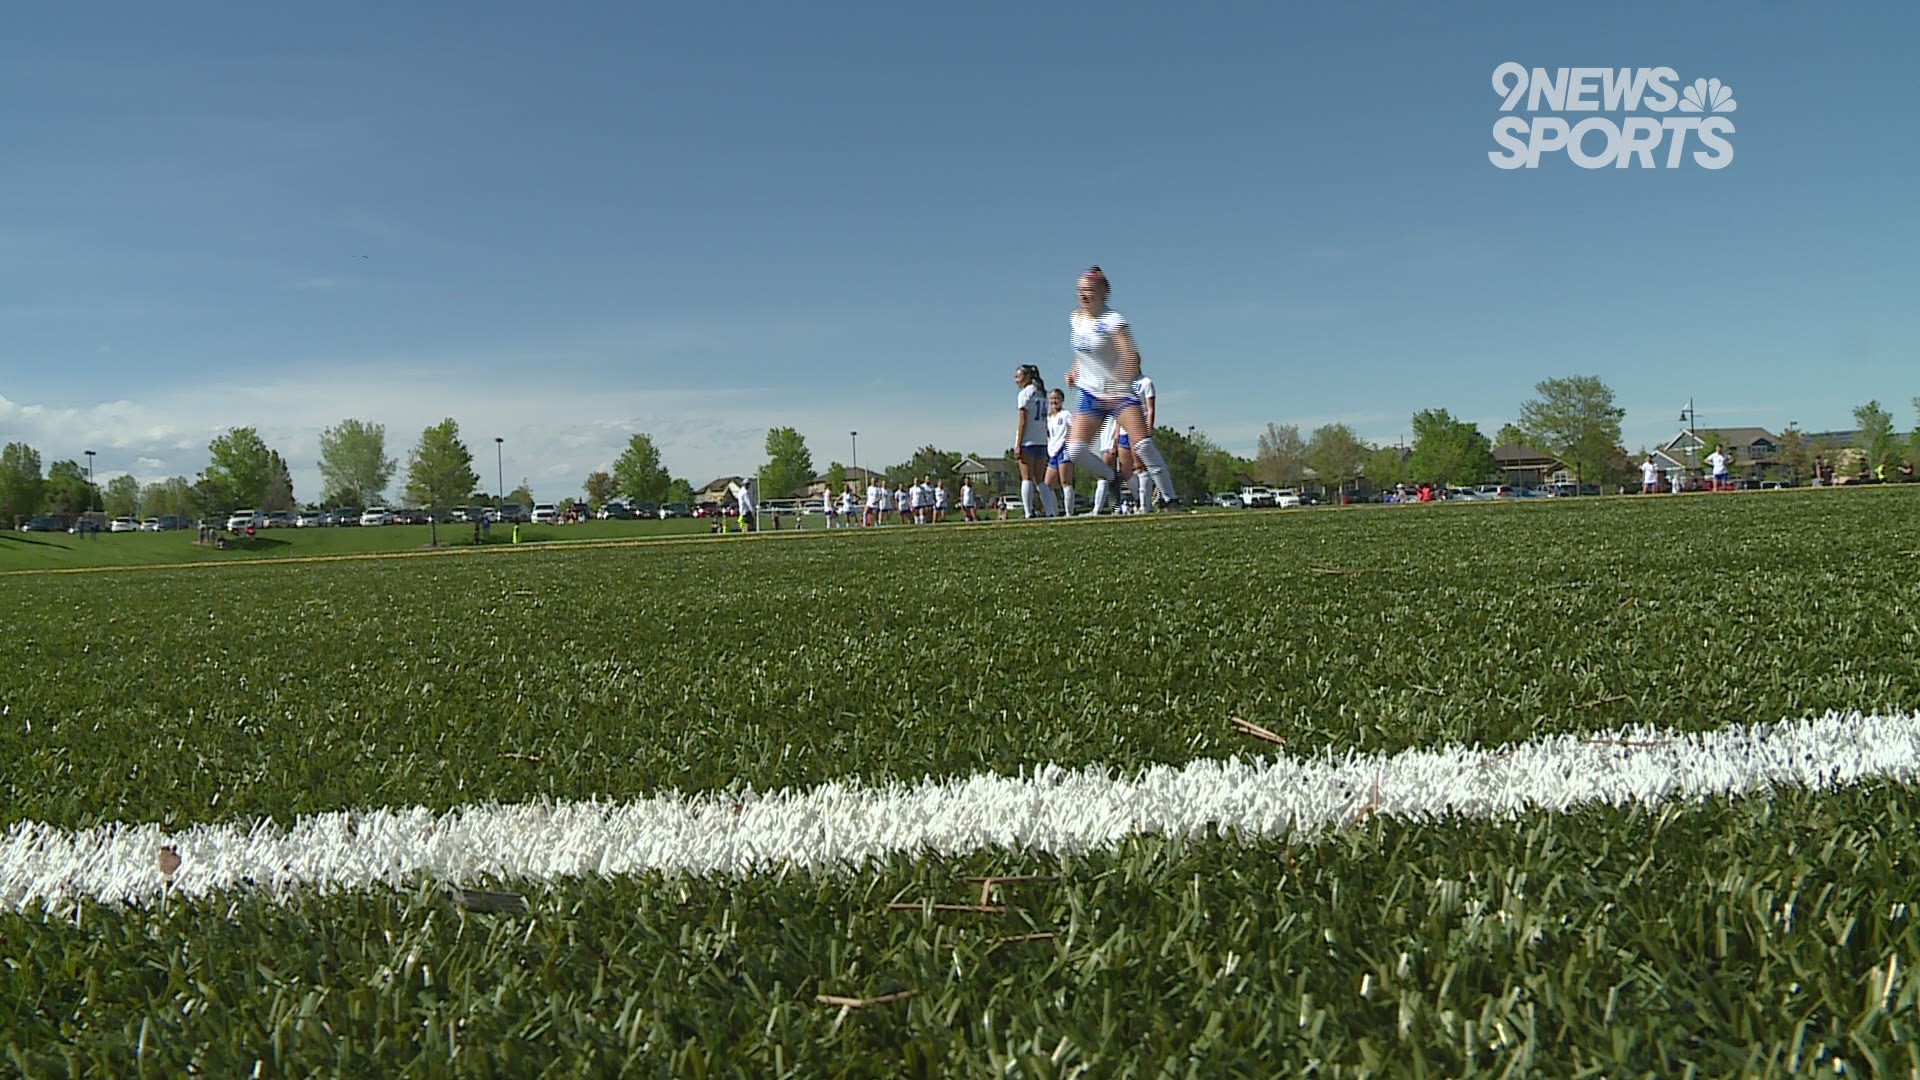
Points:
[[1125, 444], [1087, 403], [1058, 459], [1033, 449]]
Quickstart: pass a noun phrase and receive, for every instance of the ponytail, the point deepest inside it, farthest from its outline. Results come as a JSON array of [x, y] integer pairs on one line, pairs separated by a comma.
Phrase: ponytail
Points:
[[1033, 372]]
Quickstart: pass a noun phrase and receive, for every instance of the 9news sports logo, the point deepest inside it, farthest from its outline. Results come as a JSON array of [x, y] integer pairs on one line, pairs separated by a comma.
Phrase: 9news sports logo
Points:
[[1686, 114]]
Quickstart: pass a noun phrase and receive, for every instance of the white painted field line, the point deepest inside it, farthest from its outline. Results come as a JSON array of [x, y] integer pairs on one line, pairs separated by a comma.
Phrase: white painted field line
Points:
[[1055, 810]]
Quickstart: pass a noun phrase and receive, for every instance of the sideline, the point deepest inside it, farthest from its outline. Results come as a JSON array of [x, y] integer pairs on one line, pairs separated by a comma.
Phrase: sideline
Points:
[[845, 826]]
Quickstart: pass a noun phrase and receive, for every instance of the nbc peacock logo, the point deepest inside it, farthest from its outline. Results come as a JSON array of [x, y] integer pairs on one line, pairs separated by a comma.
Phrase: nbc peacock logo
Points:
[[1647, 118], [1708, 95]]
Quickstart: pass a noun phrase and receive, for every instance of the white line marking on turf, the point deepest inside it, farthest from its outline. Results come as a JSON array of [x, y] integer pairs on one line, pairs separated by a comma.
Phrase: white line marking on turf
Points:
[[845, 825]]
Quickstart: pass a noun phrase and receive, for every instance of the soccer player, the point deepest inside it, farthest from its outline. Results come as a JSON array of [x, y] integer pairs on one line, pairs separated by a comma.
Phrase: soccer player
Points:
[[1030, 435], [939, 502], [900, 503], [1142, 389], [1059, 469], [876, 503], [1112, 444], [1649, 476], [846, 506], [743, 502], [967, 508], [827, 505], [1105, 363], [1718, 461]]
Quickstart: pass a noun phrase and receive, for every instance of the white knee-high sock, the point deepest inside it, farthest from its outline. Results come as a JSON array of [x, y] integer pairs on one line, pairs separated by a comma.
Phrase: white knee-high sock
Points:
[[1083, 457], [1156, 467], [1026, 498], [1140, 490], [1046, 500], [1067, 493]]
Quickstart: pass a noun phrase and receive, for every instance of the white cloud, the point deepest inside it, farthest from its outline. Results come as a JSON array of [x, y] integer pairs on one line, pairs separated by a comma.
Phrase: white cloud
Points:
[[555, 432]]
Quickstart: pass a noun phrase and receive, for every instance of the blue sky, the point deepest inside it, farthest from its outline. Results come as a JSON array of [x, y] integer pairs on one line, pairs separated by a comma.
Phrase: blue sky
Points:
[[562, 225]]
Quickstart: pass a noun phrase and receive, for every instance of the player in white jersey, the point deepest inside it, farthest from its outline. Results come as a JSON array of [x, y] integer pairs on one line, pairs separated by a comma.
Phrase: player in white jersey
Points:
[[828, 508], [1142, 389], [1105, 364], [967, 508], [900, 503], [846, 506], [1649, 476], [939, 502], [918, 497], [1718, 462], [876, 504], [1059, 469], [1112, 445], [743, 504], [1030, 436]]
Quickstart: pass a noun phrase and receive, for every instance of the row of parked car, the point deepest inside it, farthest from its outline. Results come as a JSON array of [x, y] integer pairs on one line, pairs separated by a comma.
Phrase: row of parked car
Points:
[[49, 523], [1260, 496]]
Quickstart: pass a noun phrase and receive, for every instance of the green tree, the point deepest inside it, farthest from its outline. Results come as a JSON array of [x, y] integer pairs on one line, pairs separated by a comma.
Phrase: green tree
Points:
[[934, 462], [600, 488], [1185, 456], [1577, 420], [1794, 455], [1221, 468], [440, 469], [1280, 458], [121, 497], [679, 491], [67, 490], [22, 489], [279, 493], [789, 466], [1385, 466], [354, 466], [637, 472], [1876, 434], [836, 477], [1448, 451], [522, 494], [239, 469], [170, 497], [1333, 453]]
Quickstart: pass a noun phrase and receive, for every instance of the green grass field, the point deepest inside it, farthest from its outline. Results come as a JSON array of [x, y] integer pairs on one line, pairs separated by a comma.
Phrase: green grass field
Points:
[[1747, 936]]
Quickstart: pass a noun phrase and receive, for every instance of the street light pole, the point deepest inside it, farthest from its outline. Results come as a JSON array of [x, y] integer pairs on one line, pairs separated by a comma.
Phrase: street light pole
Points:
[[856, 450], [86, 518], [499, 469]]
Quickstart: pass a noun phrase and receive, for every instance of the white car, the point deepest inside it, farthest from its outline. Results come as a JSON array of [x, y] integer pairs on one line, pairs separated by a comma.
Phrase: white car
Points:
[[1256, 495], [308, 519], [240, 519], [376, 515], [545, 513], [1286, 497], [1228, 499], [123, 524], [150, 525]]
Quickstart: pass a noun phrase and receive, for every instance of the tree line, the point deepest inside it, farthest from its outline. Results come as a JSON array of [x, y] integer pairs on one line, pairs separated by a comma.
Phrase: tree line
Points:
[[1574, 418]]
